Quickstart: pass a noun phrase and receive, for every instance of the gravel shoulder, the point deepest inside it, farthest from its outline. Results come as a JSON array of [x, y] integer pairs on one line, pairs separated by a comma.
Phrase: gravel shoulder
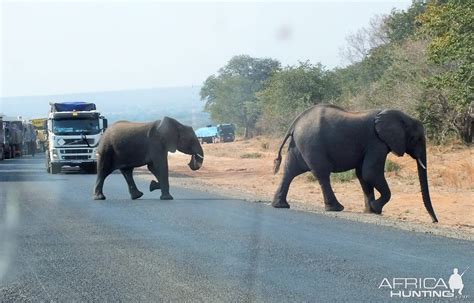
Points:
[[243, 170]]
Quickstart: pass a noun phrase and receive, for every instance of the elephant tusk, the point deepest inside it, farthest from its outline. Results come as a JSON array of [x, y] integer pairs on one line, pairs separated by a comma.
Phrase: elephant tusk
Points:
[[200, 156], [421, 163]]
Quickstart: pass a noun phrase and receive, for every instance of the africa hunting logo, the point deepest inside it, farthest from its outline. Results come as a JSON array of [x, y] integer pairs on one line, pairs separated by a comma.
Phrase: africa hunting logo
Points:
[[425, 287]]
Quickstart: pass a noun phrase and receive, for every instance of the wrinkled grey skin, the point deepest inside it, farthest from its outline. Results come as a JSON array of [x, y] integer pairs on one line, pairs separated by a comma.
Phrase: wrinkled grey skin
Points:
[[326, 139], [127, 145]]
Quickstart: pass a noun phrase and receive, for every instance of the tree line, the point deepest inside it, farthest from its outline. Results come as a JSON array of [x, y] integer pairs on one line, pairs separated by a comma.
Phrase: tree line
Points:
[[419, 60]]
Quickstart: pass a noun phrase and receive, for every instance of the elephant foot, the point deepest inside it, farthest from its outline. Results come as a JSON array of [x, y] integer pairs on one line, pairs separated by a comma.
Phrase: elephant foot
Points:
[[154, 185], [280, 204], [99, 196], [334, 207], [136, 194], [166, 197], [375, 207]]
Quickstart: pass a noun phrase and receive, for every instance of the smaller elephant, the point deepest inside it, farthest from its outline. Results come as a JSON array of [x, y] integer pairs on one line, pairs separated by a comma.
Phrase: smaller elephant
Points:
[[326, 139], [127, 145]]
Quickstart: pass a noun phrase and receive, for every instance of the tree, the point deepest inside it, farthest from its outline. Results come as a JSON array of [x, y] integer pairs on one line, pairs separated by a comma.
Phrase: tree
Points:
[[450, 26], [230, 95], [401, 25], [291, 91]]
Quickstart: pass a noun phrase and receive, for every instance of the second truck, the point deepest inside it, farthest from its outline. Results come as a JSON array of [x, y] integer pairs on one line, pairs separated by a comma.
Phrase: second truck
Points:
[[74, 130]]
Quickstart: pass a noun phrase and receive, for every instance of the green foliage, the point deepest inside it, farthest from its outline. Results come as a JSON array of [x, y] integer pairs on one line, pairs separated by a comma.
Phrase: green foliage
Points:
[[450, 27], [419, 60], [402, 25], [425, 69], [230, 95], [391, 166], [341, 177], [291, 91], [345, 176]]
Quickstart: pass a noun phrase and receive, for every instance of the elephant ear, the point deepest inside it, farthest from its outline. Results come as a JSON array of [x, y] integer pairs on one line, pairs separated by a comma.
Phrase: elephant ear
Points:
[[390, 128], [167, 132]]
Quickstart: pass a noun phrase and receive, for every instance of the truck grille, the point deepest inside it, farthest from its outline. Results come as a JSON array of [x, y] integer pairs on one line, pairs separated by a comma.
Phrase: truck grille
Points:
[[76, 157], [78, 142], [75, 151]]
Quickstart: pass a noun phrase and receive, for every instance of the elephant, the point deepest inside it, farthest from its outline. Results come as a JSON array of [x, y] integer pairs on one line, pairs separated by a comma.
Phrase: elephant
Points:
[[326, 139], [126, 145]]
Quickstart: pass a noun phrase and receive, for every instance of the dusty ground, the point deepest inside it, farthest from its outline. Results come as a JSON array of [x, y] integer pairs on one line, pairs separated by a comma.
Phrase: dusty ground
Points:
[[244, 169]]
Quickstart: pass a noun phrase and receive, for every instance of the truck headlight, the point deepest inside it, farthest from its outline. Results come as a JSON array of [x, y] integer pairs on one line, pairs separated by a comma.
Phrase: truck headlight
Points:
[[55, 153]]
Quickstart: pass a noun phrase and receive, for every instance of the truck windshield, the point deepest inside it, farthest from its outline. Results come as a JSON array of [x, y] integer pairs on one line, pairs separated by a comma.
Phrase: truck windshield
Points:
[[76, 126], [227, 129]]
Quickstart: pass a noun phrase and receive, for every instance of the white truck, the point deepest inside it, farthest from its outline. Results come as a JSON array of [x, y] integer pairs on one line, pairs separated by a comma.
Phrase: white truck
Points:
[[74, 130]]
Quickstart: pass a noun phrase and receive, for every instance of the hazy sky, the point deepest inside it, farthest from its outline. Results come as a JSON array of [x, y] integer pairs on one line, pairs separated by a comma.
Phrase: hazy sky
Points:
[[53, 47]]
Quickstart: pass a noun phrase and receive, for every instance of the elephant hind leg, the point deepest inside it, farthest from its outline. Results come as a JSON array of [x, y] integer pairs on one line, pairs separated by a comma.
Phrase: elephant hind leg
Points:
[[104, 169], [292, 169], [330, 200], [132, 187]]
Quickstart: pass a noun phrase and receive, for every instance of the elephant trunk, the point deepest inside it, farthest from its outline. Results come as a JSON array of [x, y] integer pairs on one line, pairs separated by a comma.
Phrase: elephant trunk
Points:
[[423, 177], [196, 159]]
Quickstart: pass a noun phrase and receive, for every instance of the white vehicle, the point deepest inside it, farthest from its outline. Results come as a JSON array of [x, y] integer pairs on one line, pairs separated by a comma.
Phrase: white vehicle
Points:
[[74, 133]]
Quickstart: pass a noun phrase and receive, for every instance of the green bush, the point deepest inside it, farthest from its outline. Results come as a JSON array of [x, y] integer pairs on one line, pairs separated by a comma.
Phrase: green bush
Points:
[[391, 166], [345, 176]]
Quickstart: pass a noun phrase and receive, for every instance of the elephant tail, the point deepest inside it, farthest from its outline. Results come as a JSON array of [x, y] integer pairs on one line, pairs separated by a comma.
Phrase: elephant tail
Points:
[[277, 161], [289, 133]]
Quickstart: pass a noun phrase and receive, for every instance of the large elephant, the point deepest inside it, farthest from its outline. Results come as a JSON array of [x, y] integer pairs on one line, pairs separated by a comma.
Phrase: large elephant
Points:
[[127, 145], [326, 139]]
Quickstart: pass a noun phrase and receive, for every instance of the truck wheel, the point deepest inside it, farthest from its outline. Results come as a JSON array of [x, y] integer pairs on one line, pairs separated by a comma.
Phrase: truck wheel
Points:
[[55, 168]]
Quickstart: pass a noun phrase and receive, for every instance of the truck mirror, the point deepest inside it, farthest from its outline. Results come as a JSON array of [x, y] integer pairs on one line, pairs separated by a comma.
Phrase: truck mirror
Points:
[[104, 124]]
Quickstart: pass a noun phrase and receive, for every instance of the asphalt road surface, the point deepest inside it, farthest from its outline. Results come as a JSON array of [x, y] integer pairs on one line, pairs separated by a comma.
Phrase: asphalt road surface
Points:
[[57, 244]]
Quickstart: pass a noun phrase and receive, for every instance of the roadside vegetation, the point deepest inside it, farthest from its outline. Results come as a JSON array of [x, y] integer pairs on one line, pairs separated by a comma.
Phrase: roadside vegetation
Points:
[[419, 60]]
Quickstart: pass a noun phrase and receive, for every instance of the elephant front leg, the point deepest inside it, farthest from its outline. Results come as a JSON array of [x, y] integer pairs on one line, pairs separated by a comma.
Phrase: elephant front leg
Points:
[[154, 185], [163, 178], [381, 186], [132, 187], [368, 190]]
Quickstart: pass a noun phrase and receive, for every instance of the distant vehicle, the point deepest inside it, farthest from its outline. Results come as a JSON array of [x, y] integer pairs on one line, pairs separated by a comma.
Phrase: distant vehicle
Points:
[[29, 139], [40, 128], [207, 134], [226, 132], [13, 137], [2, 139], [74, 130], [215, 134]]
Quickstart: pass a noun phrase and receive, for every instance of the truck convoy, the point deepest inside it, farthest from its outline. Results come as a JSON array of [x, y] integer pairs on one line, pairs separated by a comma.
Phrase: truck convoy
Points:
[[215, 134], [74, 130]]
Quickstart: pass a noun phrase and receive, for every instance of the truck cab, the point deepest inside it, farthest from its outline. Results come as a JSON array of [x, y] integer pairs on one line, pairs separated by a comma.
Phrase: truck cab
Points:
[[226, 132], [74, 130]]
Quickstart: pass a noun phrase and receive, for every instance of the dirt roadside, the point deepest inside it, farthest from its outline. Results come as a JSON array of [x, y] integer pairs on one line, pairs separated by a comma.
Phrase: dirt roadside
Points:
[[243, 170]]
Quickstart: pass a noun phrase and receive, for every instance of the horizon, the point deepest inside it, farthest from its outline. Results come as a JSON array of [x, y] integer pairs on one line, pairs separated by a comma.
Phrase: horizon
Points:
[[50, 48]]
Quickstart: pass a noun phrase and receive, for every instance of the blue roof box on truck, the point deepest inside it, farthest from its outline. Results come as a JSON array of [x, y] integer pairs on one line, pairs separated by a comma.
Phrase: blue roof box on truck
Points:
[[72, 106]]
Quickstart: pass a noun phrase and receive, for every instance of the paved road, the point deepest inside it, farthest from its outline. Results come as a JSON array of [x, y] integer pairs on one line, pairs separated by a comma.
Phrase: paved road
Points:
[[57, 244]]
